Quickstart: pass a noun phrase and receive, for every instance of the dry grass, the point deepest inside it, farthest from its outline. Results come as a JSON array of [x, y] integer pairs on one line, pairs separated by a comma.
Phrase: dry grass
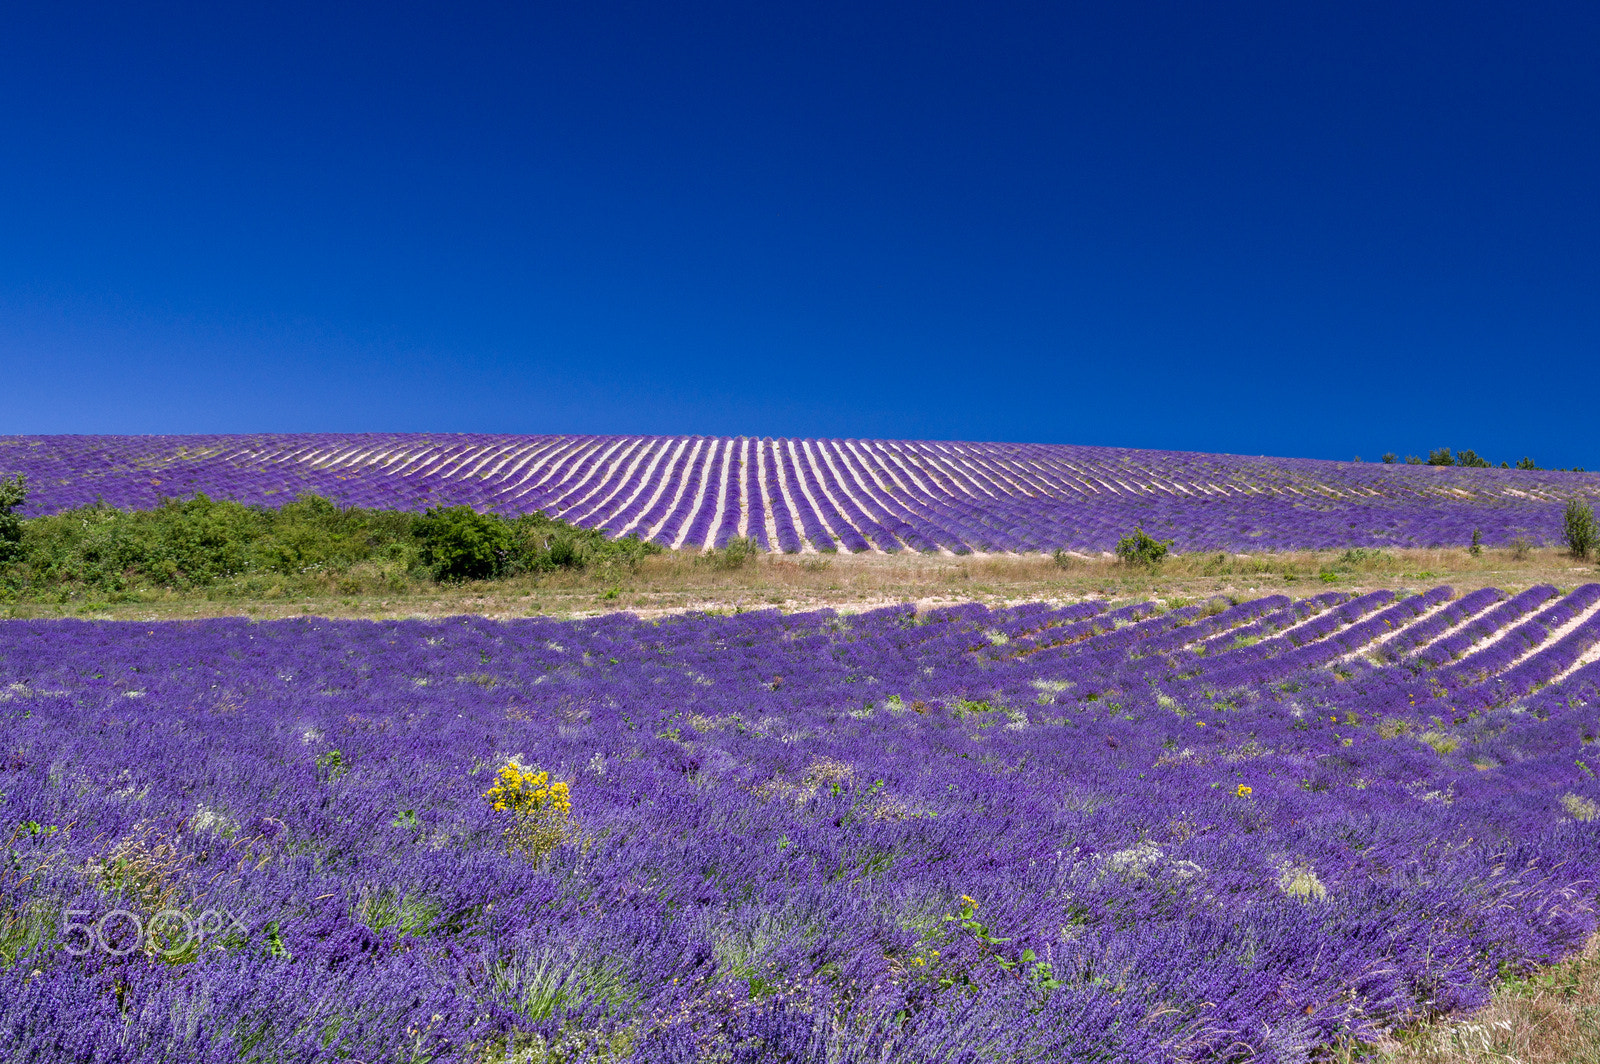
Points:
[[1553, 1017], [674, 582]]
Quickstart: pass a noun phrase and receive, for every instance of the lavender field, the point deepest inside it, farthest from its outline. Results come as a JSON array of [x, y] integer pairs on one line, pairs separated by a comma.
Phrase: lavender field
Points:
[[805, 495], [1221, 832]]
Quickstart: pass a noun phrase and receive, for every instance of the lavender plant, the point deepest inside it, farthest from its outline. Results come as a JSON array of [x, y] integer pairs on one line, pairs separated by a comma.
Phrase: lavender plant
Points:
[[1218, 832]]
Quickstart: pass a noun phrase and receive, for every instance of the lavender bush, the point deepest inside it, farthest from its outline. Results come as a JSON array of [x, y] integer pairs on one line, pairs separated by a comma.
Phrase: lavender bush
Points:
[[803, 495], [965, 834]]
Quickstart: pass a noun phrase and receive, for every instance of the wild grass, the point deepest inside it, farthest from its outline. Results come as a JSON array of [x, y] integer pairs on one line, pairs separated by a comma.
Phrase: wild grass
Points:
[[1551, 1016], [675, 581]]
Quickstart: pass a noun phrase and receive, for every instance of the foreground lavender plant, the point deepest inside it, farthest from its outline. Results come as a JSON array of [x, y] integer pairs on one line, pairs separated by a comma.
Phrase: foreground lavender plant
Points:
[[856, 495], [966, 834]]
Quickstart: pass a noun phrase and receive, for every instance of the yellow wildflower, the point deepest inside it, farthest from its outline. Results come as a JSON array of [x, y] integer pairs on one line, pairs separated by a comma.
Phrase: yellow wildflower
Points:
[[541, 808]]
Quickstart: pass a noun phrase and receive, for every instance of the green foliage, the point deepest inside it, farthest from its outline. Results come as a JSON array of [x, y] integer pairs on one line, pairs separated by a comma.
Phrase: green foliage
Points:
[[541, 544], [1412, 459], [199, 543], [1578, 531], [1476, 547], [1441, 457], [1389, 458], [740, 552], [1526, 463], [309, 543], [1470, 459], [1139, 548], [458, 543], [330, 765], [13, 493], [1037, 974]]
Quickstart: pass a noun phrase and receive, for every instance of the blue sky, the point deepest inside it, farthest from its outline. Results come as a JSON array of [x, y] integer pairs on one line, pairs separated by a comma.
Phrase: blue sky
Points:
[[1301, 229]]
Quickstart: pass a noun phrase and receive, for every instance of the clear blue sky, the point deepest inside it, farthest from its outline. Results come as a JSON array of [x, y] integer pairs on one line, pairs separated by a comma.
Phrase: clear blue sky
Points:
[[1299, 229]]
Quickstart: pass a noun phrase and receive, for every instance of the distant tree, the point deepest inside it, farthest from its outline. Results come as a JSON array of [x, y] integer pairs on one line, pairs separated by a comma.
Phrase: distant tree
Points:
[[1412, 459], [1389, 458], [1476, 547], [1441, 457], [1470, 459], [1578, 531], [1139, 548], [13, 493], [1526, 463]]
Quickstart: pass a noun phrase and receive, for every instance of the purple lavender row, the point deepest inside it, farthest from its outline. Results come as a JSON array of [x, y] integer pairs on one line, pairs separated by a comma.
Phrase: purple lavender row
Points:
[[1037, 618], [1073, 624], [785, 473], [691, 497], [1478, 666], [1207, 627], [1529, 675], [914, 531], [595, 510], [852, 514], [1120, 623], [734, 473], [849, 536], [940, 518], [1275, 621], [1427, 631], [1453, 646], [582, 486], [1353, 638], [1250, 664], [788, 538], [636, 494], [700, 530]]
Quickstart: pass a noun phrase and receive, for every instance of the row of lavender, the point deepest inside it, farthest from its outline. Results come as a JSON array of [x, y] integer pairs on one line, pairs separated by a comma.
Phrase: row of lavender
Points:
[[1036, 833], [808, 494]]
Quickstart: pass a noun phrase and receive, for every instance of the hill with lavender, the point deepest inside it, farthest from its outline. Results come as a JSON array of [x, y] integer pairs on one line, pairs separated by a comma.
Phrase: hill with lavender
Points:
[[806, 495]]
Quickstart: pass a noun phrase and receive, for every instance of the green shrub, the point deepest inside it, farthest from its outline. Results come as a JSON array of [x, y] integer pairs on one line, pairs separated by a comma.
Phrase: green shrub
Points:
[[458, 543], [1441, 457], [1526, 463], [1470, 459], [739, 552], [13, 493], [1138, 548], [1389, 458], [307, 544], [1578, 531], [1476, 546], [542, 544]]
